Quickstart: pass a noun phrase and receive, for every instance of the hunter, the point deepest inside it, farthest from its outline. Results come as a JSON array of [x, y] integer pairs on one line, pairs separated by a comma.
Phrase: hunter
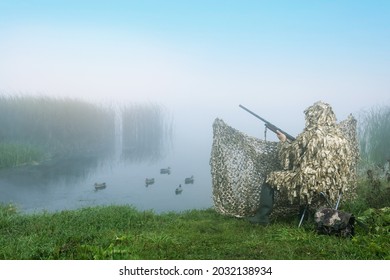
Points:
[[317, 161]]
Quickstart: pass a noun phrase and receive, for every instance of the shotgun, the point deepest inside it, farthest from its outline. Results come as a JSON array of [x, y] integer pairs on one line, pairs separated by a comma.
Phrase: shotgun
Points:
[[269, 125]]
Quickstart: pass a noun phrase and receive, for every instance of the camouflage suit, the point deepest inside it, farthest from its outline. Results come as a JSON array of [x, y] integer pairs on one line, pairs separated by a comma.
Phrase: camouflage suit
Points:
[[319, 160]]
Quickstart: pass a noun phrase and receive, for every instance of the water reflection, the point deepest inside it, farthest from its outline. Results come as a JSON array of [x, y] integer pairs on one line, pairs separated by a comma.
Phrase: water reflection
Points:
[[66, 170]]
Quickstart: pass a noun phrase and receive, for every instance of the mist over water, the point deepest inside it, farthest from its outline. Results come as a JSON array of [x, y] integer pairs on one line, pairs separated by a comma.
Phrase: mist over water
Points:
[[148, 137]]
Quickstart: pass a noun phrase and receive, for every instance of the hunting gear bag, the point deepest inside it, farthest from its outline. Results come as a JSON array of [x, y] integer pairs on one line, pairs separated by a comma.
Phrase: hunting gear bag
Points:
[[334, 222]]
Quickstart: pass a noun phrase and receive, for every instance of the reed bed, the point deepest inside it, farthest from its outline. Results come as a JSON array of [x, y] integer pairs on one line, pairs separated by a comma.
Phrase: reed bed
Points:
[[146, 131], [374, 135], [58, 126], [41, 127]]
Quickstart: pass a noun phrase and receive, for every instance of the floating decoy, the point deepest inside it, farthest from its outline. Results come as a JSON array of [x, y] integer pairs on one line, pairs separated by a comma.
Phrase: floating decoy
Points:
[[178, 190], [189, 180], [165, 170], [149, 181], [100, 186]]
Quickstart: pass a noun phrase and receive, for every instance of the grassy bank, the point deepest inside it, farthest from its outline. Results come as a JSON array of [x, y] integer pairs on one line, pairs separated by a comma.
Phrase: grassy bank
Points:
[[121, 232]]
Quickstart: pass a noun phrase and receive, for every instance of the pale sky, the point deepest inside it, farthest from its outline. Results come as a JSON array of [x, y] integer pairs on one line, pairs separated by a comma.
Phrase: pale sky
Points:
[[275, 57]]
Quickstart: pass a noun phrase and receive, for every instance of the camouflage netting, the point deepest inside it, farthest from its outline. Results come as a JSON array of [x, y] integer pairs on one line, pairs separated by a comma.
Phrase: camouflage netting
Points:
[[239, 165], [323, 158]]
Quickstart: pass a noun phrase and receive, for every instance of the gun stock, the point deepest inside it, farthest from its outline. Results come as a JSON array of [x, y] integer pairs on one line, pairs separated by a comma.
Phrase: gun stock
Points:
[[269, 125]]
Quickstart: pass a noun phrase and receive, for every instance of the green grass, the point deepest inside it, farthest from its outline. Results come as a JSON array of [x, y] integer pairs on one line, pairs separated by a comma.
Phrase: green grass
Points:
[[369, 196], [122, 232]]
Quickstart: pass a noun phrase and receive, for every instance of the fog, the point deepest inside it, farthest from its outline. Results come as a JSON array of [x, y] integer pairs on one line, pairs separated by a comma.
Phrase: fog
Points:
[[201, 60], [197, 87]]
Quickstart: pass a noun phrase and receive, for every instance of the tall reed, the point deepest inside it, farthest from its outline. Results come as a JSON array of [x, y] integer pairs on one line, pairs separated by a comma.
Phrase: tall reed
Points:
[[374, 135], [59, 126], [146, 131]]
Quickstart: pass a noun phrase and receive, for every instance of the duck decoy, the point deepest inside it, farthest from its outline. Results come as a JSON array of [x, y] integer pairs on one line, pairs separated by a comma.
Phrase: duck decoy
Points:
[[189, 180], [149, 181], [178, 190], [165, 170], [100, 186]]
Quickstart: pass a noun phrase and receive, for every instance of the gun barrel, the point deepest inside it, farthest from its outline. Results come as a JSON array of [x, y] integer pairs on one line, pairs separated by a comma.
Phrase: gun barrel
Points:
[[268, 124], [257, 116]]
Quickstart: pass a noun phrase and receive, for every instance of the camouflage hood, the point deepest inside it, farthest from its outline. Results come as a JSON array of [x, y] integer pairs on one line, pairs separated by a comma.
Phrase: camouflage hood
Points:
[[319, 114]]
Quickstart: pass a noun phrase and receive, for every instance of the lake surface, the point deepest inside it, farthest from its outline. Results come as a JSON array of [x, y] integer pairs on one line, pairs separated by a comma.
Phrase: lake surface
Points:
[[69, 184]]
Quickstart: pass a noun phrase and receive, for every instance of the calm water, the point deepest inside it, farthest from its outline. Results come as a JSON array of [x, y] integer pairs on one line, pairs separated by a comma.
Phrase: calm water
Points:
[[69, 184]]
